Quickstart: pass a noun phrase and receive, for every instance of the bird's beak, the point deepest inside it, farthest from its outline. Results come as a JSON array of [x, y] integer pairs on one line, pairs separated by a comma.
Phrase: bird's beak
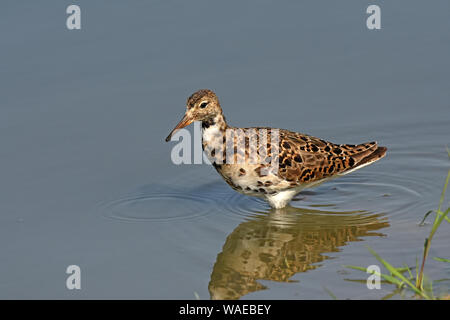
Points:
[[187, 120]]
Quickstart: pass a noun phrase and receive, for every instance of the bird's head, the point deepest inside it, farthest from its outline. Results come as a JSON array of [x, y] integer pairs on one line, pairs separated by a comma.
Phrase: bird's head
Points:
[[202, 105]]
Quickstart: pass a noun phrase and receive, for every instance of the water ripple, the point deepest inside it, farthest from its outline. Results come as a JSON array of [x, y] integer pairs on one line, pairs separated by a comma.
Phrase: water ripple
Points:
[[365, 191]]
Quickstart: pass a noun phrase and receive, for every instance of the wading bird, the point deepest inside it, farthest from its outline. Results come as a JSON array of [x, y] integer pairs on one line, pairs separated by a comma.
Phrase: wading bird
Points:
[[287, 162]]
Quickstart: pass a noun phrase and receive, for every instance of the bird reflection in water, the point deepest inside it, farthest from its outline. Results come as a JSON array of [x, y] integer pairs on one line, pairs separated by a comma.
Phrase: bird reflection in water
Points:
[[277, 245]]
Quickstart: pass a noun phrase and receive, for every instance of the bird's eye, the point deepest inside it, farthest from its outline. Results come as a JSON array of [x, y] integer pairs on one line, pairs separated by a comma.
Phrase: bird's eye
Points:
[[203, 105]]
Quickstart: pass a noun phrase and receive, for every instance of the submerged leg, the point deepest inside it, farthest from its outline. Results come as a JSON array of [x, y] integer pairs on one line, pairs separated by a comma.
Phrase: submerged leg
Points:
[[281, 199]]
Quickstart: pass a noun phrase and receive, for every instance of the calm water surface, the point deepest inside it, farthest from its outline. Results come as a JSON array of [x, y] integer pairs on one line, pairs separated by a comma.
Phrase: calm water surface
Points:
[[86, 176]]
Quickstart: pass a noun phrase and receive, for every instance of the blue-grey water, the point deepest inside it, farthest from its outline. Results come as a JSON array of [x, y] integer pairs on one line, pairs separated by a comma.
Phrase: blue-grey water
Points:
[[86, 178]]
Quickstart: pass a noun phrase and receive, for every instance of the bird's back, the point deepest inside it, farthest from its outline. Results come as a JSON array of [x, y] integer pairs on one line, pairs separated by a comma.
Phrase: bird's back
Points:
[[300, 159]]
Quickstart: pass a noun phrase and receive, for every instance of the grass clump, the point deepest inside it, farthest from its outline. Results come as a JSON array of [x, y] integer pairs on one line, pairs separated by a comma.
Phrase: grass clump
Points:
[[417, 282]]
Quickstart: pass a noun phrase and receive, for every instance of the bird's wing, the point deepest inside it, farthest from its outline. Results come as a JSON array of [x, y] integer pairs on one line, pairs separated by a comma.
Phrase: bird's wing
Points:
[[303, 158]]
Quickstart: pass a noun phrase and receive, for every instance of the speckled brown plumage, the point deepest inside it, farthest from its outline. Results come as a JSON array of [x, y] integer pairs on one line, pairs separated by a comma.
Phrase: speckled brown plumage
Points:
[[304, 158], [301, 160]]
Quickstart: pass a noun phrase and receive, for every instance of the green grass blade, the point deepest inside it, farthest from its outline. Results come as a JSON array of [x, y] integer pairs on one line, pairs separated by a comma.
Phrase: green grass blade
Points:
[[409, 271], [417, 268], [394, 271], [357, 268], [330, 293], [445, 214], [437, 222], [387, 277], [442, 259], [443, 191]]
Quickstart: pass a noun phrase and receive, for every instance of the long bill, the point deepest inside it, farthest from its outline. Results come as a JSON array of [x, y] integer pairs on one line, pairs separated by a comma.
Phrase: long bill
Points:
[[183, 123]]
